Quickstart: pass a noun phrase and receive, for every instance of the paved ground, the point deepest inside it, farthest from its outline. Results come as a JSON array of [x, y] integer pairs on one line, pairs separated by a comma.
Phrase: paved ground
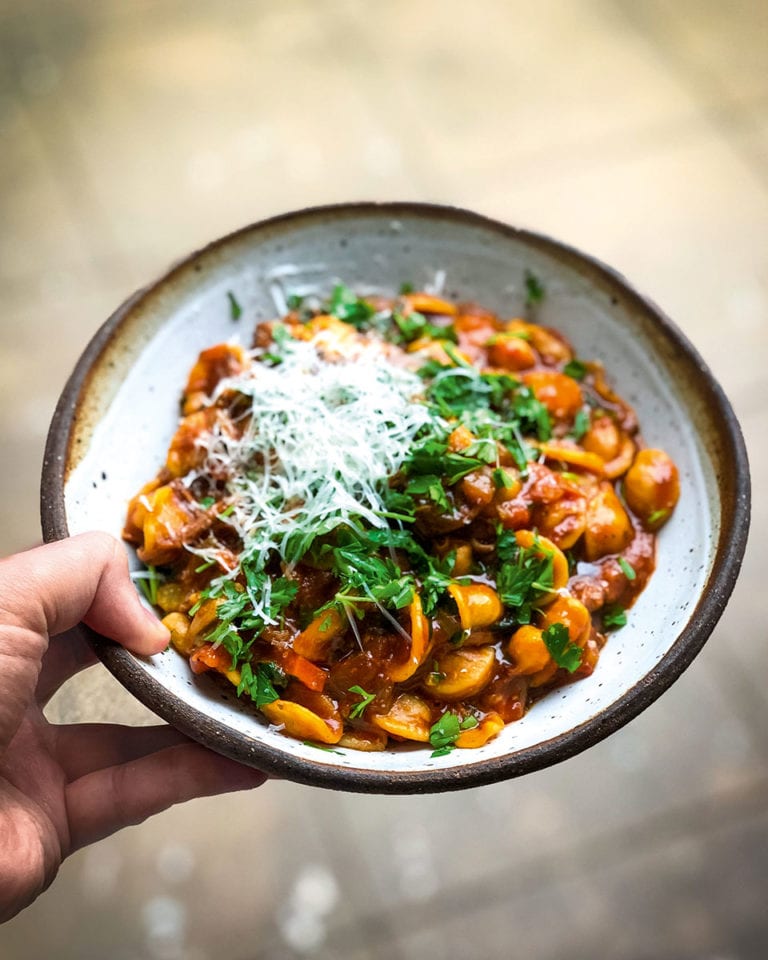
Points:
[[133, 132]]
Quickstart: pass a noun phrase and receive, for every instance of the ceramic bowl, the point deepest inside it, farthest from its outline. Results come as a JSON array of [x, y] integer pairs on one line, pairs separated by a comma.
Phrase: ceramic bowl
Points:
[[119, 409]]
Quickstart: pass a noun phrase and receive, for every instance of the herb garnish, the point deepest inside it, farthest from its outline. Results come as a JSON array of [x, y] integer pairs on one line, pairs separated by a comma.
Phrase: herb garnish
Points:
[[237, 619], [345, 305], [575, 369], [235, 310], [565, 654], [359, 708], [444, 734], [614, 616], [581, 424], [415, 325], [525, 575], [627, 568], [260, 683], [534, 289]]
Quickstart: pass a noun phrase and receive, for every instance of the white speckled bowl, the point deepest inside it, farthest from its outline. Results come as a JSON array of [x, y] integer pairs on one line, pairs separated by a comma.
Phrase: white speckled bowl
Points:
[[118, 412]]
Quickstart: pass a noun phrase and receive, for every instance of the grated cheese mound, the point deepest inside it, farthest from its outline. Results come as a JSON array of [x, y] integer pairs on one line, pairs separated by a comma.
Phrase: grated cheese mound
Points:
[[322, 438]]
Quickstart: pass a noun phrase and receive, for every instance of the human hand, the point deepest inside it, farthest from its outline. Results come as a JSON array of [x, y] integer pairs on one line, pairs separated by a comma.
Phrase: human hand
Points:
[[62, 787]]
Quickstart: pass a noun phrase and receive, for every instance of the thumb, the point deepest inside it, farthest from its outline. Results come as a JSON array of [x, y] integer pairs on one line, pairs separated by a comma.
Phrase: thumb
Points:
[[51, 588], [48, 590]]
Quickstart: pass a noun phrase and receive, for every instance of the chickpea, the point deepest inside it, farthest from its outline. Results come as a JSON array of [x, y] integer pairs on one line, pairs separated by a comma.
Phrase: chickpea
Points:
[[652, 487]]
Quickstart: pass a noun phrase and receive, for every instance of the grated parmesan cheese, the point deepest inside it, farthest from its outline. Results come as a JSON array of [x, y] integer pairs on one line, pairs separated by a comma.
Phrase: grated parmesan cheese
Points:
[[322, 438]]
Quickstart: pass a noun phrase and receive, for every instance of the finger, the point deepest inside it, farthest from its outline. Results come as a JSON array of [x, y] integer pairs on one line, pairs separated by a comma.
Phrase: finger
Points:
[[103, 802], [51, 588], [82, 748], [66, 656]]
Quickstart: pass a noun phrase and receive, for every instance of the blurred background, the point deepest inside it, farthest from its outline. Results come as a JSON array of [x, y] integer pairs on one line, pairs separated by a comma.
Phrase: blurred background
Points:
[[133, 132]]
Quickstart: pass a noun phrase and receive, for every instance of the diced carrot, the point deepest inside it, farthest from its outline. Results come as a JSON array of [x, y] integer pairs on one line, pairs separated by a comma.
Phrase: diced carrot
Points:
[[297, 666]]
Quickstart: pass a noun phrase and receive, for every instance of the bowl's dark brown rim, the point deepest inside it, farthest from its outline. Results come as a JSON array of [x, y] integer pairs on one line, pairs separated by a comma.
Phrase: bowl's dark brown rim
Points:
[[734, 525]]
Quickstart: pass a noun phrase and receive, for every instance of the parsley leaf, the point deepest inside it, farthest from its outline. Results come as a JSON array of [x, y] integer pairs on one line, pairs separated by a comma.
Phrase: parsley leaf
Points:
[[534, 289], [581, 424], [235, 310], [416, 325], [525, 575], [358, 708], [502, 479], [260, 684], [432, 457], [575, 369], [429, 485], [444, 734], [563, 652], [345, 305], [614, 616]]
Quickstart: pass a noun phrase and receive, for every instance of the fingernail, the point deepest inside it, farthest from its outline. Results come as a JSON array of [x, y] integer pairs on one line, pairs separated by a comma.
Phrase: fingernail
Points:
[[157, 627]]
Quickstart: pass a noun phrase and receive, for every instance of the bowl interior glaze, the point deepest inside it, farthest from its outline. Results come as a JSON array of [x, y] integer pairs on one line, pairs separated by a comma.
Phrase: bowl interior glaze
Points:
[[120, 408]]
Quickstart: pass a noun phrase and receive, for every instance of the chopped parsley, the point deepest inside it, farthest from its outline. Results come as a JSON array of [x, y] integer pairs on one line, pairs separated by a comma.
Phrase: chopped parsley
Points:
[[319, 746], [235, 310], [345, 305], [243, 612], [581, 424], [614, 616], [416, 325], [575, 369], [260, 683], [359, 708], [525, 575], [534, 289], [627, 568], [657, 515], [502, 479], [565, 654], [444, 734]]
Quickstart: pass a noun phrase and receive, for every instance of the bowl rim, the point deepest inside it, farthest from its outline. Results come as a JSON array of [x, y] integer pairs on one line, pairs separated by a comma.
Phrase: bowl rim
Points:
[[729, 552]]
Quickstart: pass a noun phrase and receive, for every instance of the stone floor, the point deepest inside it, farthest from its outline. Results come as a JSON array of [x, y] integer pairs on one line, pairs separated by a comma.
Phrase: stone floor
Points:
[[133, 132]]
